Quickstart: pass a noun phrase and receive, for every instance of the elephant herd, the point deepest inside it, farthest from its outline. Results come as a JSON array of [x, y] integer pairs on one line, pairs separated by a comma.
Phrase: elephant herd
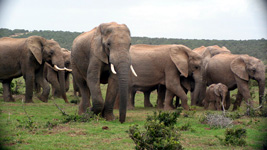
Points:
[[105, 55]]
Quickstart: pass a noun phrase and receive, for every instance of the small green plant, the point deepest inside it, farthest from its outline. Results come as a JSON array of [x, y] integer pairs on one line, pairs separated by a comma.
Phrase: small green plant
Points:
[[189, 114], [86, 117], [185, 127], [235, 137], [50, 125], [159, 132]]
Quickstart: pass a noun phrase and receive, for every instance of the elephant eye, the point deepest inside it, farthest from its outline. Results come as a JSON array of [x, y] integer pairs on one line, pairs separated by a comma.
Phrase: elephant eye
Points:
[[254, 70], [51, 52]]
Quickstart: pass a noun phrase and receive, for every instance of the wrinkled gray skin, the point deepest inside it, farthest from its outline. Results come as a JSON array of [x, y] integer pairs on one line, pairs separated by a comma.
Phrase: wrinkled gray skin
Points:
[[92, 54], [235, 71], [215, 97], [52, 75], [207, 53], [178, 61], [26, 57]]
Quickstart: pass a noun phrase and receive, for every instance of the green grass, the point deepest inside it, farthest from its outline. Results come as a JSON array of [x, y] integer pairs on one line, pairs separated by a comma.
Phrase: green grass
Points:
[[15, 134]]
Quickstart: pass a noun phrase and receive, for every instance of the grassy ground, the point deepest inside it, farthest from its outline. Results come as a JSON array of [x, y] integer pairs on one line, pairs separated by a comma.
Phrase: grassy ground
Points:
[[48, 132]]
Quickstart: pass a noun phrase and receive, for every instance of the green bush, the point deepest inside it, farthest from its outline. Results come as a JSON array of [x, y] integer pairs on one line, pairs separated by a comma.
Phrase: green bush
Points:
[[159, 132], [235, 137]]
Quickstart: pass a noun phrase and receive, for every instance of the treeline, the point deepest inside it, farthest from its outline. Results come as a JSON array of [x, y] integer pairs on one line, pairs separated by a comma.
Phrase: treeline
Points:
[[256, 48]]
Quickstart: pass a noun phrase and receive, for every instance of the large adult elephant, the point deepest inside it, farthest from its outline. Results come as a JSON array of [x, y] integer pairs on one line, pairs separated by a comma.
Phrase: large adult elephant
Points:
[[235, 71], [95, 54], [52, 74], [165, 64], [207, 53], [26, 57]]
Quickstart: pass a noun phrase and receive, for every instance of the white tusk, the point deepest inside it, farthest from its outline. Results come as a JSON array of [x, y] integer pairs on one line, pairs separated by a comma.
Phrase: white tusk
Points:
[[58, 68], [133, 70], [113, 69], [67, 69]]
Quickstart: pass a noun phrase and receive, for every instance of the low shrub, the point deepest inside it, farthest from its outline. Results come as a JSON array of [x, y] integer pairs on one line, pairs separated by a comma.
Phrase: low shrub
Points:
[[235, 137], [159, 132]]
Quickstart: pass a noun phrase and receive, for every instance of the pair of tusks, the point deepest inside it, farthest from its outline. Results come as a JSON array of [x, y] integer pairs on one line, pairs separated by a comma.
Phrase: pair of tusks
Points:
[[114, 72], [62, 68], [56, 68]]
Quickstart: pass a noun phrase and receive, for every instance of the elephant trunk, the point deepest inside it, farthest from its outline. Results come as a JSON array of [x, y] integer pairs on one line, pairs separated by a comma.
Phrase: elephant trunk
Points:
[[123, 79], [61, 75], [199, 91], [261, 90]]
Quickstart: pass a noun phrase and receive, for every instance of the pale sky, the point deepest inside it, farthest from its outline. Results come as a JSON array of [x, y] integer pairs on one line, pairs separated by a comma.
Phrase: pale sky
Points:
[[186, 19]]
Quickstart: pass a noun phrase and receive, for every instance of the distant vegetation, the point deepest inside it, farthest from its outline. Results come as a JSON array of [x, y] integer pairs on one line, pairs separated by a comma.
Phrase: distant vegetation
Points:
[[255, 47]]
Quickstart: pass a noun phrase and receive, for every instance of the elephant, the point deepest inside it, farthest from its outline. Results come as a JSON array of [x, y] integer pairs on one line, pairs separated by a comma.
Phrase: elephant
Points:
[[165, 64], [186, 83], [215, 97], [207, 53], [26, 57], [102, 56], [235, 71], [52, 75]]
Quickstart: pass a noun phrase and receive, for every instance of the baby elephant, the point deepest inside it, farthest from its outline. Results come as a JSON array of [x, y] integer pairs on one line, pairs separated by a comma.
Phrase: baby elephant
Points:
[[215, 96]]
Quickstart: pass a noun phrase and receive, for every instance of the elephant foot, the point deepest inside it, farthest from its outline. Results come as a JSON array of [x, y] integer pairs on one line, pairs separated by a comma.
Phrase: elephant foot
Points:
[[148, 105], [185, 107], [109, 116], [130, 107], [168, 107], [29, 101], [43, 99]]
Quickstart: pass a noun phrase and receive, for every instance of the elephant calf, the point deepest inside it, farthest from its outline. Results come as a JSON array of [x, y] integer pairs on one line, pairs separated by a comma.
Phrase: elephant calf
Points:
[[215, 96]]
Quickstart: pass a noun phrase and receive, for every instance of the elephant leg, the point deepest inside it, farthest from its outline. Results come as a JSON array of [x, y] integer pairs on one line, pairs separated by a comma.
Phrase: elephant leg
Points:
[[147, 102], [227, 101], [238, 100], [173, 84], [177, 103], [117, 102], [206, 104], [178, 91], [161, 96], [168, 104], [85, 93], [45, 86], [112, 92], [7, 91], [29, 80], [130, 105], [243, 88]]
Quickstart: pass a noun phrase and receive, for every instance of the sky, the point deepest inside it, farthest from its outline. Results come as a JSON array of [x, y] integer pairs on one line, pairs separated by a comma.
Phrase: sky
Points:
[[185, 19]]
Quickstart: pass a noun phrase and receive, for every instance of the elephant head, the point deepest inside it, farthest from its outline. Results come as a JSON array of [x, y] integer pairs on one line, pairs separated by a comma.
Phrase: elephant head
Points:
[[247, 67], [111, 46], [49, 52], [189, 63], [220, 90]]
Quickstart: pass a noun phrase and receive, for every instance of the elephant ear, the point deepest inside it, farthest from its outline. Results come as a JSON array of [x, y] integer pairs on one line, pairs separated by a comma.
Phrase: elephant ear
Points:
[[180, 58], [97, 46], [35, 45], [238, 66]]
